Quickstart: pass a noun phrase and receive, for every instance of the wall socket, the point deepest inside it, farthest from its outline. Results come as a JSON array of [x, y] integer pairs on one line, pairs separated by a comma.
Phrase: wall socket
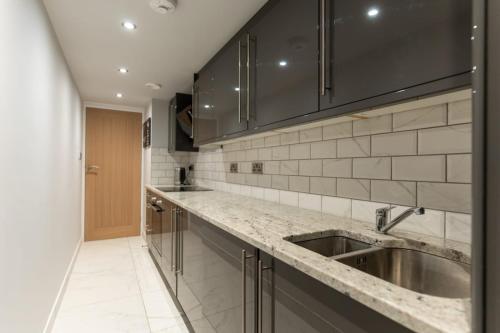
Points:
[[257, 168], [233, 168]]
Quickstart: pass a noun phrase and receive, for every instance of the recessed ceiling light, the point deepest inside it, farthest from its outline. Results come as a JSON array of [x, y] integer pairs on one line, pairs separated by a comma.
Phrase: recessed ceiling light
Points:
[[123, 70], [119, 95], [206, 106], [283, 63], [129, 25], [154, 86], [372, 12], [163, 6], [237, 89]]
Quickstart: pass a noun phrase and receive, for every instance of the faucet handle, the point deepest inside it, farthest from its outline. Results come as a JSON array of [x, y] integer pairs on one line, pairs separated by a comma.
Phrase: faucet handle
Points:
[[384, 210]]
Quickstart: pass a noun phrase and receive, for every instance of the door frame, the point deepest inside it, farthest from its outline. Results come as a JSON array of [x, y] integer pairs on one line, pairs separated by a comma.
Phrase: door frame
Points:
[[83, 155]]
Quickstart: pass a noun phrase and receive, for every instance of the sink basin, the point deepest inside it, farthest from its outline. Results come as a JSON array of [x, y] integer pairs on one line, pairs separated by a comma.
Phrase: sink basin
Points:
[[418, 271], [328, 245]]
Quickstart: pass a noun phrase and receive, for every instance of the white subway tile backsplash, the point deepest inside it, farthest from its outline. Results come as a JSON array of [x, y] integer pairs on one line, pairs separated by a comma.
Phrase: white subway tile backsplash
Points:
[[310, 201], [290, 138], [375, 125], [281, 153], [289, 198], [459, 227], [341, 167], [460, 112], [298, 184], [279, 182], [272, 195], [323, 185], [445, 196], [431, 223], [397, 192], [300, 151], [310, 167], [372, 168], [324, 149], [445, 140], [421, 118], [423, 168], [311, 135], [353, 188], [418, 154], [393, 144], [289, 168], [459, 168], [337, 131], [354, 147], [366, 210], [336, 206]]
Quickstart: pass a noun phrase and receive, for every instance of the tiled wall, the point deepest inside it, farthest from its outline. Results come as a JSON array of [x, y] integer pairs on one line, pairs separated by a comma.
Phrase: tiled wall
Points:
[[163, 164], [416, 156]]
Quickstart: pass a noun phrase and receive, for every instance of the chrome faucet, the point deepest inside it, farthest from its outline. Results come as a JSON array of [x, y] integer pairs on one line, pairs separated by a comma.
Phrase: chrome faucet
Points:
[[383, 215]]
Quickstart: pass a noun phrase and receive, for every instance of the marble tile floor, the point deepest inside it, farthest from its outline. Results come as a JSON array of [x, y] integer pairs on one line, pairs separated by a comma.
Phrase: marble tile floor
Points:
[[115, 288]]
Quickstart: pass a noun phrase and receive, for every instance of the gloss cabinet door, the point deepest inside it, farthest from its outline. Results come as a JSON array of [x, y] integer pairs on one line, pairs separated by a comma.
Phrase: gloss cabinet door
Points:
[[387, 47], [283, 62]]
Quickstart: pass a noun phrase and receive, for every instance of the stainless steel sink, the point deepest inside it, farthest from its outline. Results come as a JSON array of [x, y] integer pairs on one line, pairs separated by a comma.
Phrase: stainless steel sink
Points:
[[418, 271], [328, 245]]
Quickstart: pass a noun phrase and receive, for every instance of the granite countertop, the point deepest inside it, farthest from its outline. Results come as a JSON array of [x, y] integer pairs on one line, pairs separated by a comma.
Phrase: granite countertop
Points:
[[264, 224]]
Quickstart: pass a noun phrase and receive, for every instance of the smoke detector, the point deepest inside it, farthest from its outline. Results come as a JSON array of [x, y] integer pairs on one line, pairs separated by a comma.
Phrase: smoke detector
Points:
[[154, 86], [163, 6]]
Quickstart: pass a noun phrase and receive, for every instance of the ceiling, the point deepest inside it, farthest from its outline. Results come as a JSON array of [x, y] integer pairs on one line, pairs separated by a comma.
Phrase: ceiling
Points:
[[165, 49]]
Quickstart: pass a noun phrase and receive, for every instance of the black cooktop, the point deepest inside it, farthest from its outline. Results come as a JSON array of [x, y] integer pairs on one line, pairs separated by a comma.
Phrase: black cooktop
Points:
[[184, 188]]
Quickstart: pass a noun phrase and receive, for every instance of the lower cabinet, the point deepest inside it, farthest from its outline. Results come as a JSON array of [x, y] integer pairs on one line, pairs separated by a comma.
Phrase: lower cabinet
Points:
[[215, 283], [293, 302], [225, 285]]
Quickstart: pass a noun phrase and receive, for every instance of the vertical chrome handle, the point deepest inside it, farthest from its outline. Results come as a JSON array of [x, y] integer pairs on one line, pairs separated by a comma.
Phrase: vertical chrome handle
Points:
[[181, 230], [239, 81], [244, 258], [260, 269], [248, 77], [193, 103], [180, 243], [173, 231], [322, 53]]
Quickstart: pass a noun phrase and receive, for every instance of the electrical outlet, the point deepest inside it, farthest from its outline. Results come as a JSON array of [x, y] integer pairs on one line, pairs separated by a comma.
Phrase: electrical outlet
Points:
[[257, 168], [233, 168]]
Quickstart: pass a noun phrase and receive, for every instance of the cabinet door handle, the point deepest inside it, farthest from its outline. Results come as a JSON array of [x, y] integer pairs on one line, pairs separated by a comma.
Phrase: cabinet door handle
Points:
[[260, 269], [180, 243], [193, 103], [173, 231], [322, 46], [244, 258], [248, 77], [239, 81]]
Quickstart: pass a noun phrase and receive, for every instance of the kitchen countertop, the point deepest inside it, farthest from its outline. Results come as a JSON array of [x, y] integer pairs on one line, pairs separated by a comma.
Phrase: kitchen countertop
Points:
[[264, 224]]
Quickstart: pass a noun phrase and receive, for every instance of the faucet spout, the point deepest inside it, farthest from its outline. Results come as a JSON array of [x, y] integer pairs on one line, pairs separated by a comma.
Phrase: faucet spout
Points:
[[383, 226]]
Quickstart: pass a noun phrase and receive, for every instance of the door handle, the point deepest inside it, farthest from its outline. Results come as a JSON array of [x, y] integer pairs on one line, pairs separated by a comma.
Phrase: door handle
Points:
[[172, 231], [244, 258], [322, 54], [239, 81], [91, 168], [248, 76], [260, 269]]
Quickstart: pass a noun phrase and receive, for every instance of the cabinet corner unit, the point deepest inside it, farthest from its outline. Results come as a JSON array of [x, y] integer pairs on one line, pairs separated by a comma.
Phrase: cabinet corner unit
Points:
[[297, 61]]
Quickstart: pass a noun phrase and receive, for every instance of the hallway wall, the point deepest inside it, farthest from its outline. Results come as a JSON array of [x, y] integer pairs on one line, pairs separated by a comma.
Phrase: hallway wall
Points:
[[40, 169]]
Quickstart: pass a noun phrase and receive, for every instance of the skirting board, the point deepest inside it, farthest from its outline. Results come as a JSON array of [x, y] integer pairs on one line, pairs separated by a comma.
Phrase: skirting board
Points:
[[62, 289]]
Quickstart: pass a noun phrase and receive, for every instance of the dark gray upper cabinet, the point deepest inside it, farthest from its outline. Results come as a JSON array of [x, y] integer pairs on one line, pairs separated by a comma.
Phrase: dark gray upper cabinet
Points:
[[383, 47], [205, 122], [220, 90], [283, 61]]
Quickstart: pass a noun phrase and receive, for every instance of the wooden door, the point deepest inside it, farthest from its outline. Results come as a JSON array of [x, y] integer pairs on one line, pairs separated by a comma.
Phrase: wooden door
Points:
[[113, 174]]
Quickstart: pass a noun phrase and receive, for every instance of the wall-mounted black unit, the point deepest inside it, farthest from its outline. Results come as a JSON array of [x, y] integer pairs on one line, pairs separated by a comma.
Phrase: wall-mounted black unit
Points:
[[180, 136]]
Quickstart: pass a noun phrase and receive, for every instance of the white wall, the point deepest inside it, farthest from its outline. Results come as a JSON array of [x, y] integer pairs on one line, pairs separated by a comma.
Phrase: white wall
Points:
[[40, 170]]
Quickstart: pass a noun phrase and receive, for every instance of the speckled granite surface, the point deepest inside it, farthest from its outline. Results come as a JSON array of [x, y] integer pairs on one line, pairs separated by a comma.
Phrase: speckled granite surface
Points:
[[264, 224]]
